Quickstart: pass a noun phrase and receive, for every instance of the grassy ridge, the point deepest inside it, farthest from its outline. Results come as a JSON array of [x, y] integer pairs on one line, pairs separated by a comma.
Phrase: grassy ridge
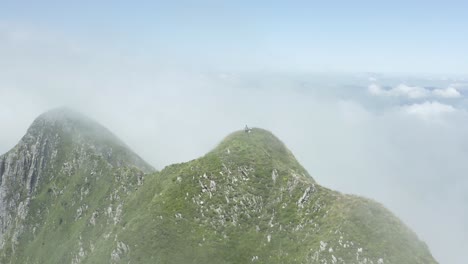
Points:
[[248, 200]]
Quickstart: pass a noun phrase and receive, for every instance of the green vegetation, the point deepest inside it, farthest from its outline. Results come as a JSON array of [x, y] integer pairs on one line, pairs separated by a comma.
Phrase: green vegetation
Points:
[[248, 200]]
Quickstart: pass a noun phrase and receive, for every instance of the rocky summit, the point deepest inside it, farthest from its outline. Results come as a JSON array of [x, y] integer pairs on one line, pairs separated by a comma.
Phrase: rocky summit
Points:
[[72, 192]]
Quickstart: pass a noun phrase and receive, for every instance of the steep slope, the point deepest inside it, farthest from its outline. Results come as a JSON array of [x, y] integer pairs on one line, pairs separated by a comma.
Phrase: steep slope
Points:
[[66, 169], [249, 200], [71, 192]]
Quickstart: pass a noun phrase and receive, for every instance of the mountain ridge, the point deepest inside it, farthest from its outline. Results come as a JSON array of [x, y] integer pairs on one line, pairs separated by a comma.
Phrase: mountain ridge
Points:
[[247, 200]]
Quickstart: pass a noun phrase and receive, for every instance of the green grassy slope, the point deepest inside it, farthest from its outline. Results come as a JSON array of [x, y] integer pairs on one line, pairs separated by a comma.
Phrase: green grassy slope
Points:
[[248, 200]]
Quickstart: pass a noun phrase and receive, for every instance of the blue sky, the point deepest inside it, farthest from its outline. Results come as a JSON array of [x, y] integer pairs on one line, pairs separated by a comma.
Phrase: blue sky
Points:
[[375, 36]]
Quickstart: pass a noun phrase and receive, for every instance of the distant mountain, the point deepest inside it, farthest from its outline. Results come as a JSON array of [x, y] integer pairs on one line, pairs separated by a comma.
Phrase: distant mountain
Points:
[[72, 192]]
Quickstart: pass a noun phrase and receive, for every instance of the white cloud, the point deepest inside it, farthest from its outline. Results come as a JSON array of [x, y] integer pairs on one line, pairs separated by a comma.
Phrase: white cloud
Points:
[[429, 110], [376, 89], [402, 90], [413, 92], [448, 92]]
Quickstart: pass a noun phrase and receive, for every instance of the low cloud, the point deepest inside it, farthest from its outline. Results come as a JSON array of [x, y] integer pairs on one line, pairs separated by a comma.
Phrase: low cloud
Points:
[[429, 110], [413, 92], [448, 92], [402, 90]]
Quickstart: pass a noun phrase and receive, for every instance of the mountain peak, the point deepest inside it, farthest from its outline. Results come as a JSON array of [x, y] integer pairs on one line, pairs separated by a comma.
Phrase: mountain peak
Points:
[[258, 146], [64, 117], [68, 123], [254, 138], [66, 128]]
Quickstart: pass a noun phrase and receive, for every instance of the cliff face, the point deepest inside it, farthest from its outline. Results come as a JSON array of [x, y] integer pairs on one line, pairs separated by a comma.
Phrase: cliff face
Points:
[[71, 192], [20, 171]]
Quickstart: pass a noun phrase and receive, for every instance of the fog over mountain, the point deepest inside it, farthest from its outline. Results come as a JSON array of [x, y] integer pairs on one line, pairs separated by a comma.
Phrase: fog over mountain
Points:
[[407, 153], [401, 139]]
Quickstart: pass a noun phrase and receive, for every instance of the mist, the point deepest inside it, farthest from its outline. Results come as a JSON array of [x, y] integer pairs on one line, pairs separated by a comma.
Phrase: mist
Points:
[[403, 144]]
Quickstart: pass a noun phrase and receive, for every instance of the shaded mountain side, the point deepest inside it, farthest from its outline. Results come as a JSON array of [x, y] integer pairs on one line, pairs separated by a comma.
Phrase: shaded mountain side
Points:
[[247, 200]]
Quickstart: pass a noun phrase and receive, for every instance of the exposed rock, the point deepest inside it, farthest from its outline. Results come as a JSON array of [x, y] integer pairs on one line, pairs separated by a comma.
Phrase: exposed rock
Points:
[[121, 250]]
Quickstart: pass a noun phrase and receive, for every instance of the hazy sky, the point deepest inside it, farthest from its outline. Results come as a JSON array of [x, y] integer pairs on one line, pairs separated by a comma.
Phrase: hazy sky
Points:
[[172, 80], [393, 36]]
